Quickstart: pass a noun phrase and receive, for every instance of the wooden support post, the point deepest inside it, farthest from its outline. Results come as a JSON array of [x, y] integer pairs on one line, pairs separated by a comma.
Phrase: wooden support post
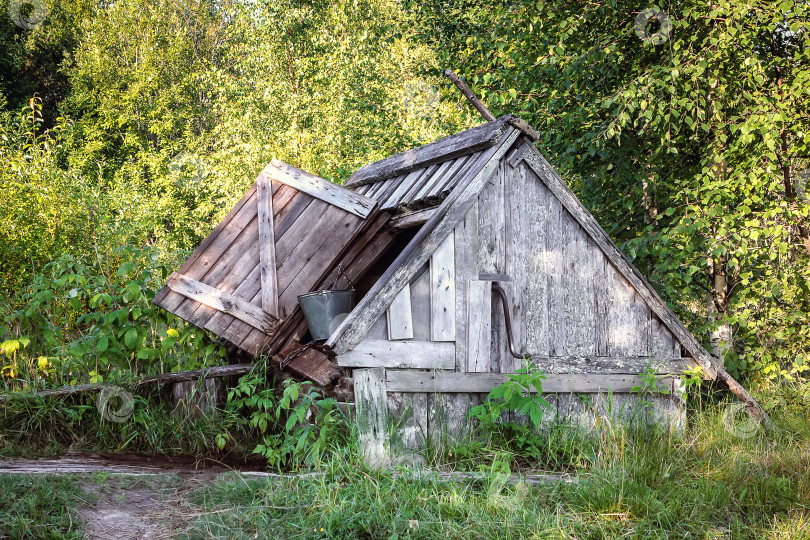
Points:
[[372, 415], [195, 399]]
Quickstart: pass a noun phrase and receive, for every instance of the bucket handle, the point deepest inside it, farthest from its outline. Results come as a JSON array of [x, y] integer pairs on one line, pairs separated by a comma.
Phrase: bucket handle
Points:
[[342, 270]]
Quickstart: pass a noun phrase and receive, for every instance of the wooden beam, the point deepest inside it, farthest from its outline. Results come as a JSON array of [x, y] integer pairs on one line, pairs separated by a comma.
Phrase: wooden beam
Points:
[[267, 247], [181, 376], [398, 316], [310, 364], [610, 365], [412, 219], [479, 325], [371, 405], [421, 381], [400, 354], [466, 142], [227, 303], [472, 98], [443, 291], [427, 240], [319, 188]]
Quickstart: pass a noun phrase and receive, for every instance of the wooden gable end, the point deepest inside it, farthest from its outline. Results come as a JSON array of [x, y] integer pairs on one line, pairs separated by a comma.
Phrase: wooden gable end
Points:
[[278, 242]]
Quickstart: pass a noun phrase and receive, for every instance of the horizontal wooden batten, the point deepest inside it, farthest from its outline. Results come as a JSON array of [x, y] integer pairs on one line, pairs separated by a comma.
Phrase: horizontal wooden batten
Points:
[[412, 219], [319, 188], [400, 354], [608, 365], [449, 382], [221, 301]]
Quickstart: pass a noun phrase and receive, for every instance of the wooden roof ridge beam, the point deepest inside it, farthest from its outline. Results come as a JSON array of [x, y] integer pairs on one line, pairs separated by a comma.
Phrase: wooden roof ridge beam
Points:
[[469, 141], [320, 188]]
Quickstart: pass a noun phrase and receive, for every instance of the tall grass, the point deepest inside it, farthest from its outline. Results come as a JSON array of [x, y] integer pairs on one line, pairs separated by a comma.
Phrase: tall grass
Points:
[[704, 482]]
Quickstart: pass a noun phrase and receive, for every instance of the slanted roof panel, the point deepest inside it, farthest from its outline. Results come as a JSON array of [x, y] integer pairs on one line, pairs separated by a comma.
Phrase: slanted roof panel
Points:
[[420, 188]]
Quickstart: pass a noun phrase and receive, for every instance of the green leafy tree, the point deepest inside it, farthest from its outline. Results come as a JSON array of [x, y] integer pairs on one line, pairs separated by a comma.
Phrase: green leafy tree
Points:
[[684, 129]]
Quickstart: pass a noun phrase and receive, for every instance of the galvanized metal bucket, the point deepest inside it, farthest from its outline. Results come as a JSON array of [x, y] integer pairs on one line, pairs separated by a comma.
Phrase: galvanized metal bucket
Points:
[[325, 310]]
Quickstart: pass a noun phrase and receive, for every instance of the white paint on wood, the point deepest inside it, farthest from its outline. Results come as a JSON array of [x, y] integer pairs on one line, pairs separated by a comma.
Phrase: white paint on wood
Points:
[[400, 354], [321, 189], [267, 247], [227, 303], [421, 381], [443, 292], [372, 415], [398, 315], [479, 330]]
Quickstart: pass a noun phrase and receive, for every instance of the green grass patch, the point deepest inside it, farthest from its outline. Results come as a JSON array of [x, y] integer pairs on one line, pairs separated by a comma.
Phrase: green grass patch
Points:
[[41, 506], [703, 483]]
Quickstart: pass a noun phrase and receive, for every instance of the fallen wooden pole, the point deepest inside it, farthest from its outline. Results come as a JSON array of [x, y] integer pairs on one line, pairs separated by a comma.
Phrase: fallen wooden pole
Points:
[[181, 376], [480, 107]]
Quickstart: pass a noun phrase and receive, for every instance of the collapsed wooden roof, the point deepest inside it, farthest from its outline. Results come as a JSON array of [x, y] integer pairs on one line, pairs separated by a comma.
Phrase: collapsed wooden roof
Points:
[[292, 231]]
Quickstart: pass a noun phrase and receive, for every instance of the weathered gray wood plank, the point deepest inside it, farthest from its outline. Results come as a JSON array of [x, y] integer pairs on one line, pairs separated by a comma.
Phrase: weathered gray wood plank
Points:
[[392, 200], [450, 177], [398, 316], [561, 191], [608, 365], [267, 247], [662, 342], [479, 330], [412, 219], [400, 354], [420, 305], [443, 292], [530, 206], [448, 418], [420, 381], [435, 178], [371, 404], [466, 142], [466, 248], [492, 225], [379, 331], [319, 188], [409, 415], [228, 303]]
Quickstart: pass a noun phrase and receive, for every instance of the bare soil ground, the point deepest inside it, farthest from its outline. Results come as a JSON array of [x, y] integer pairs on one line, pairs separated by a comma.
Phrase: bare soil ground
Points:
[[129, 497]]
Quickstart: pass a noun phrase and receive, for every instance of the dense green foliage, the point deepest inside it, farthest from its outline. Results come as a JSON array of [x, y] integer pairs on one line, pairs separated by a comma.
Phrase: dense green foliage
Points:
[[691, 149], [128, 129]]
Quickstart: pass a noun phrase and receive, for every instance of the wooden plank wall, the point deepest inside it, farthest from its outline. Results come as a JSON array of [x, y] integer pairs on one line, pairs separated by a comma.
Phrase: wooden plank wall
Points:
[[571, 311]]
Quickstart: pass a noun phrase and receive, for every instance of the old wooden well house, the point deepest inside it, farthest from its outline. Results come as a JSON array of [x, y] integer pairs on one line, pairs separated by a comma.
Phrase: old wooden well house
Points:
[[441, 242]]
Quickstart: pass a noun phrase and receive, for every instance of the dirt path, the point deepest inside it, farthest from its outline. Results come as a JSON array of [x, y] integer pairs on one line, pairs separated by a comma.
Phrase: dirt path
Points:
[[130, 497], [130, 512]]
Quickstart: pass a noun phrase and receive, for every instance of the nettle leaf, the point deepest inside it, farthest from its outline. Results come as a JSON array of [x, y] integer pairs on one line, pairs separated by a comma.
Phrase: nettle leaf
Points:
[[131, 338]]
